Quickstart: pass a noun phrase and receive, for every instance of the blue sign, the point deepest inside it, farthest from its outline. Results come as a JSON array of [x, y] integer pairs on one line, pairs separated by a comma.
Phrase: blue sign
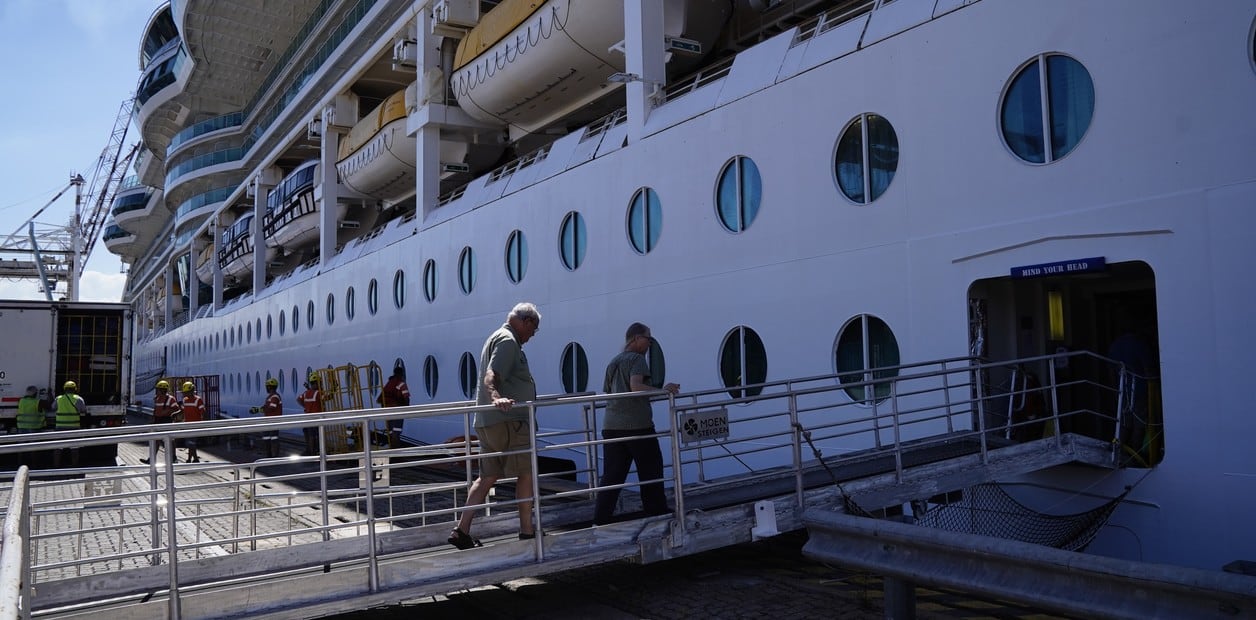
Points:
[[1061, 268]]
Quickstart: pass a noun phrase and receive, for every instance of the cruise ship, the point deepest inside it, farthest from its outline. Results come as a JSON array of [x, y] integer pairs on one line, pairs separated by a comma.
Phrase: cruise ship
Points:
[[778, 188]]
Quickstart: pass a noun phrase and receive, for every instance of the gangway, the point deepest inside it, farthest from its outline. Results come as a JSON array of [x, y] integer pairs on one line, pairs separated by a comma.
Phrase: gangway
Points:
[[313, 536]]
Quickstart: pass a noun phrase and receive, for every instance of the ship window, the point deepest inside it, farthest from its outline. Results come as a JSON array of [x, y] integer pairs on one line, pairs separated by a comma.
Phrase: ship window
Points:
[[248, 383], [231, 338], [399, 289], [349, 303], [331, 308], [248, 335], [468, 375], [372, 297], [1041, 129], [257, 380], [864, 349], [282, 322], [867, 158], [739, 193], [240, 334], [374, 380], [575, 369], [466, 270], [645, 220], [280, 379], [270, 326], [431, 376], [516, 256], [429, 280], [309, 313], [743, 361], [572, 241], [257, 328], [296, 320], [231, 383]]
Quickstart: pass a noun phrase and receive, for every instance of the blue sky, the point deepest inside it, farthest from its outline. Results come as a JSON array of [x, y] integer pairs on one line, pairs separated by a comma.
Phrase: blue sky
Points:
[[68, 65]]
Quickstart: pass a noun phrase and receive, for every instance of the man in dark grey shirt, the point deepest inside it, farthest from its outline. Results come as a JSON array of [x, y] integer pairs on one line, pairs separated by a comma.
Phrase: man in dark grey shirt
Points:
[[631, 417]]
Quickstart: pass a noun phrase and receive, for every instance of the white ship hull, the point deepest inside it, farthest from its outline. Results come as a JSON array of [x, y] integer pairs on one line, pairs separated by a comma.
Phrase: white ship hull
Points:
[[1160, 186]]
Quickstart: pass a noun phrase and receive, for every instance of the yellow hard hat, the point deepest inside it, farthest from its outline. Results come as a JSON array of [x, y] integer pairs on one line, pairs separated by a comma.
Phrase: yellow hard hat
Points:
[[69, 386], [272, 382], [163, 385], [188, 386], [314, 378]]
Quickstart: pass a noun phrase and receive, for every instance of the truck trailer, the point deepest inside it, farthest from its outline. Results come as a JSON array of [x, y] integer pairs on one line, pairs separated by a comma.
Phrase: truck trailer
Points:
[[48, 343]]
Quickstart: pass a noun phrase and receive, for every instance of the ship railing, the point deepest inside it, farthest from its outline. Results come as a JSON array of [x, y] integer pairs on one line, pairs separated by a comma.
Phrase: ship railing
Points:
[[832, 18], [707, 75], [140, 517], [15, 591], [518, 164], [604, 124]]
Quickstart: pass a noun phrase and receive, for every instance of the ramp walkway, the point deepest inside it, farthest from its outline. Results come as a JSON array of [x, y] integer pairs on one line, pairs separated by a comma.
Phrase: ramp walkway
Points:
[[315, 536]]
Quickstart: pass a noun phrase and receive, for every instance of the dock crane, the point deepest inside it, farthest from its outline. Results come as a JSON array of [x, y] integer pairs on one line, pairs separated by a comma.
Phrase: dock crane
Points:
[[51, 253]]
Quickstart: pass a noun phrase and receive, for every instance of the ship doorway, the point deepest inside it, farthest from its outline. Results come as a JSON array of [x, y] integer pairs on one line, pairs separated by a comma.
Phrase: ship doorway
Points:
[[1111, 313]]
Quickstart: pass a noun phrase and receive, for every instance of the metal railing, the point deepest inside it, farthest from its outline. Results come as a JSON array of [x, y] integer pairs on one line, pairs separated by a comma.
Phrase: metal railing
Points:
[[15, 556], [131, 517]]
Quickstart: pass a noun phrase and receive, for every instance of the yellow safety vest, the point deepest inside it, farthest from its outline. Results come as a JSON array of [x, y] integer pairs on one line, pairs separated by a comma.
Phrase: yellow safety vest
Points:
[[29, 418], [67, 412]]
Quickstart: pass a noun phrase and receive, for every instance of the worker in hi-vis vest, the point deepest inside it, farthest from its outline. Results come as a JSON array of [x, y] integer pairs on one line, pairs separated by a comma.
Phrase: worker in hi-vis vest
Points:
[[165, 410], [70, 409], [193, 407], [312, 402], [272, 406], [30, 416]]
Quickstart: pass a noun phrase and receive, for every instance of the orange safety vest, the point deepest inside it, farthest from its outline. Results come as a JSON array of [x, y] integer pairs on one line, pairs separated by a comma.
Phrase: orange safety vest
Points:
[[312, 401], [193, 408], [165, 406], [273, 405]]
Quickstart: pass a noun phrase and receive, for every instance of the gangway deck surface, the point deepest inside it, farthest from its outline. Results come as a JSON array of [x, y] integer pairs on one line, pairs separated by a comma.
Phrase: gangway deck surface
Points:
[[349, 546]]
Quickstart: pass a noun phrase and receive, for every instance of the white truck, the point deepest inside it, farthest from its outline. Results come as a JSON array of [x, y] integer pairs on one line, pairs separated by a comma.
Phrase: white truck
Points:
[[47, 343]]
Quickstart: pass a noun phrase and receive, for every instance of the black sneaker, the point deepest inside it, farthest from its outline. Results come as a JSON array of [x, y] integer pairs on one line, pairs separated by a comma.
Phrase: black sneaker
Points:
[[144, 461], [463, 540], [523, 536]]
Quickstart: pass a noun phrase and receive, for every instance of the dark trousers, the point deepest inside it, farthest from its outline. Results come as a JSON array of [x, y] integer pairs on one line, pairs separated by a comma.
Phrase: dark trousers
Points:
[[311, 441], [617, 458]]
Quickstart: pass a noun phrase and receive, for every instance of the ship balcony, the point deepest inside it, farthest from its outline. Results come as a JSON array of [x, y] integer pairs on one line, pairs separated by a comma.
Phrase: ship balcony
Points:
[[203, 131], [121, 242], [193, 211], [149, 168], [157, 113], [134, 208], [202, 171]]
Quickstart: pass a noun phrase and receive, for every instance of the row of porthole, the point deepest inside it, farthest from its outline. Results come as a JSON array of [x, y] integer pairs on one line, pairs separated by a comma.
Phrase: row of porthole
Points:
[[865, 162], [864, 342]]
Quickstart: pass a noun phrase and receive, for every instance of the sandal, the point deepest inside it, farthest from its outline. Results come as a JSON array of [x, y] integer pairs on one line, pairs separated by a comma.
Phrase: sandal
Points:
[[463, 540]]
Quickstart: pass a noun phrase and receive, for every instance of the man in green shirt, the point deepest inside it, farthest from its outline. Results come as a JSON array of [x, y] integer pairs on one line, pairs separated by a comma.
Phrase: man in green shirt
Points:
[[507, 380]]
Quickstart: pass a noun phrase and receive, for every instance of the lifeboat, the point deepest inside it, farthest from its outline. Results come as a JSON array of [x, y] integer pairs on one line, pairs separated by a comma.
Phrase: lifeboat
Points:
[[204, 266], [291, 220], [529, 63], [377, 158], [235, 253]]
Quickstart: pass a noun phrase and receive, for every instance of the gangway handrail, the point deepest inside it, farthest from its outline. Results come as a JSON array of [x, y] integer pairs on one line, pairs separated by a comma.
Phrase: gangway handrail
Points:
[[14, 552]]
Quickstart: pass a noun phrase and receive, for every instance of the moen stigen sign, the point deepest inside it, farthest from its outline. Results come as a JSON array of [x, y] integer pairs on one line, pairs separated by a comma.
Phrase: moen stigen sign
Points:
[[704, 425]]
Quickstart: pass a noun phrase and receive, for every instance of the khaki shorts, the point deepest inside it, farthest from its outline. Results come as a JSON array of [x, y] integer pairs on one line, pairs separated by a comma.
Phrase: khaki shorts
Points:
[[502, 437]]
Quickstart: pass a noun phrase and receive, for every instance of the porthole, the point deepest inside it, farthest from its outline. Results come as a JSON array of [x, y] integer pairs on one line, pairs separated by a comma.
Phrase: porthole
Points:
[[429, 280], [468, 375], [743, 362], [575, 369], [248, 335], [431, 376], [572, 241], [372, 297], [248, 384], [739, 193], [240, 334], [866, 159], [231, 337], [331, 308], [257, 380], [399, 289], [645, 220], [309, 314], [865, 350], [349, 303], [280, 380], [270, 326], [296, 320], [516, 256], [374, 380], [466, 270], [257, 328], [231, 383], [282, 322], [1040, 129], [294, 380]]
